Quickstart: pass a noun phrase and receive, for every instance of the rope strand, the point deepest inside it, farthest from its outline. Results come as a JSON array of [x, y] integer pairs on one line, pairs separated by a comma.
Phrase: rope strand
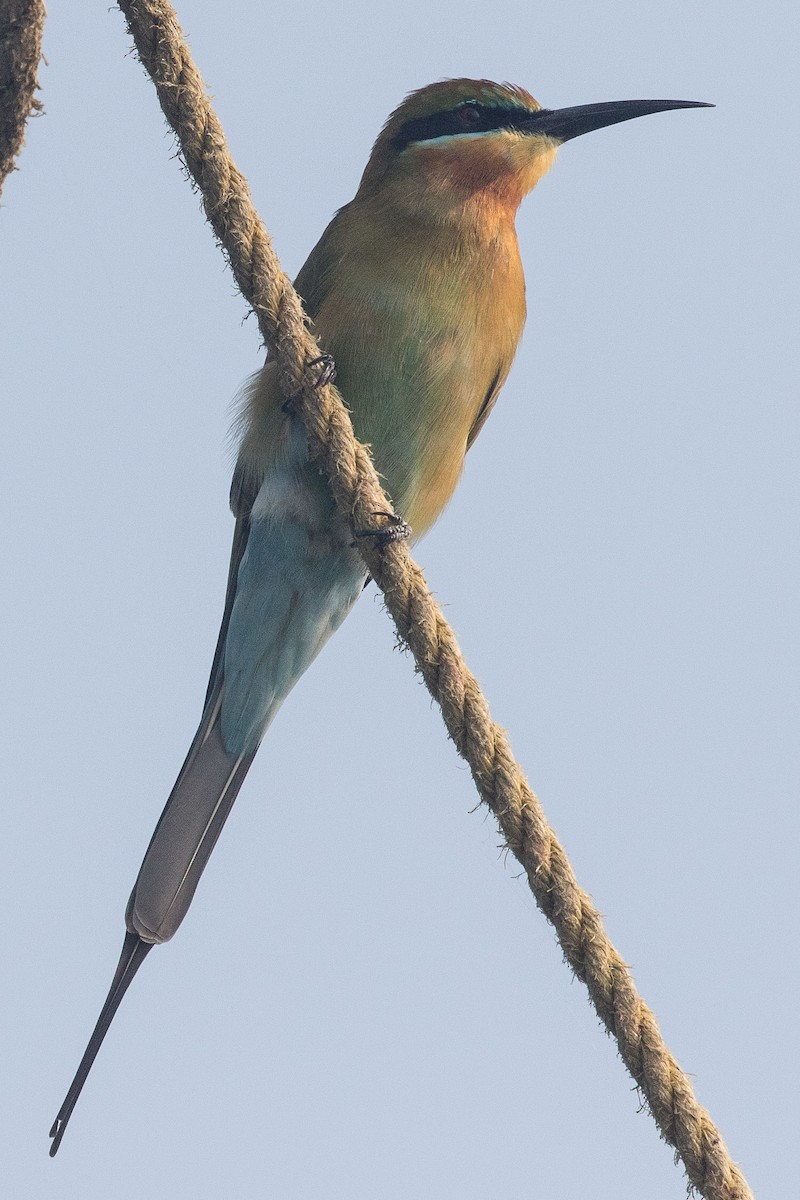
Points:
[[420, 623], [21, 27]]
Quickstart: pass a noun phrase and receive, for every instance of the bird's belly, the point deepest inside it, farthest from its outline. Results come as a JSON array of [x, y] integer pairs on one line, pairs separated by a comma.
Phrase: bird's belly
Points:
[[414, 402]]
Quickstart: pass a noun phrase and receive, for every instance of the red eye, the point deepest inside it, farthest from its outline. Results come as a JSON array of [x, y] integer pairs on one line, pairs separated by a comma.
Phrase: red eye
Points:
[[468, 115]]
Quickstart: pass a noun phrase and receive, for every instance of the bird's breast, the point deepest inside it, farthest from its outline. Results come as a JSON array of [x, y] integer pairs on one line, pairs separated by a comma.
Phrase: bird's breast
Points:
[[420, 334]]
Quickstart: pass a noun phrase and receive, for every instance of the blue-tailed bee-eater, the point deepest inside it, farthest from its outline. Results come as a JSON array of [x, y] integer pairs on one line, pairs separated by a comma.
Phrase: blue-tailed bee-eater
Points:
[[416, 290]]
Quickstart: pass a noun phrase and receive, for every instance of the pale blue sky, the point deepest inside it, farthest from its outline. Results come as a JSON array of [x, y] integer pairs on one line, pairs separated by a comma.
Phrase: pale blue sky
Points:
[[364, 1000]]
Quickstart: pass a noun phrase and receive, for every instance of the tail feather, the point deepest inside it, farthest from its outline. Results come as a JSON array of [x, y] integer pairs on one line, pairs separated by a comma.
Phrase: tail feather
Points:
[[134, 952], [179, 849], [288, 590], [187, 832]]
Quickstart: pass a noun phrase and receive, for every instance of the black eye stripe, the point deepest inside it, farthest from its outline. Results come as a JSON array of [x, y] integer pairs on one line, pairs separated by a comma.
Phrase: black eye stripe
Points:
[[469, 117]]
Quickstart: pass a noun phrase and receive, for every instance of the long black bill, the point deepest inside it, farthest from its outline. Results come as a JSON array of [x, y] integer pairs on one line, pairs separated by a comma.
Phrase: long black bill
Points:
[[133, 955], [565, 123]]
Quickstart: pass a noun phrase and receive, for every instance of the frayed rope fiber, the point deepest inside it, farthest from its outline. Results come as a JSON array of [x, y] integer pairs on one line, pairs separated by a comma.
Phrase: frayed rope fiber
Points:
[[21, 28]]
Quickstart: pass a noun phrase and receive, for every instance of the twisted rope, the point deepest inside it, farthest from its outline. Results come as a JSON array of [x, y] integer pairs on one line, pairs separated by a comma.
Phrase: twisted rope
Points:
[[21, 27], [359, 497]]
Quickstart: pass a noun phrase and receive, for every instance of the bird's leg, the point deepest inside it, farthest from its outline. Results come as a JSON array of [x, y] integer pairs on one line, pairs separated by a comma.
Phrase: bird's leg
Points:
[[327, 369], [327, 374], [395, 529]]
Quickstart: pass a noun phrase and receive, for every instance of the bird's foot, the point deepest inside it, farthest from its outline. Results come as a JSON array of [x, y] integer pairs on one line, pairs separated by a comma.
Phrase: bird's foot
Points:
[[395, 529], [326, 375], [327, 370]]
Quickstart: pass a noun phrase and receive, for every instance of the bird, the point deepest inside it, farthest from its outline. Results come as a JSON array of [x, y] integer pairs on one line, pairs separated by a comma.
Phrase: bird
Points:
[[417, 295]]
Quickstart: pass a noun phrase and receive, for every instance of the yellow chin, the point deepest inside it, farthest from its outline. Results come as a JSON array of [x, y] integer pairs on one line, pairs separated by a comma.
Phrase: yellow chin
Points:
[[531, 157]]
